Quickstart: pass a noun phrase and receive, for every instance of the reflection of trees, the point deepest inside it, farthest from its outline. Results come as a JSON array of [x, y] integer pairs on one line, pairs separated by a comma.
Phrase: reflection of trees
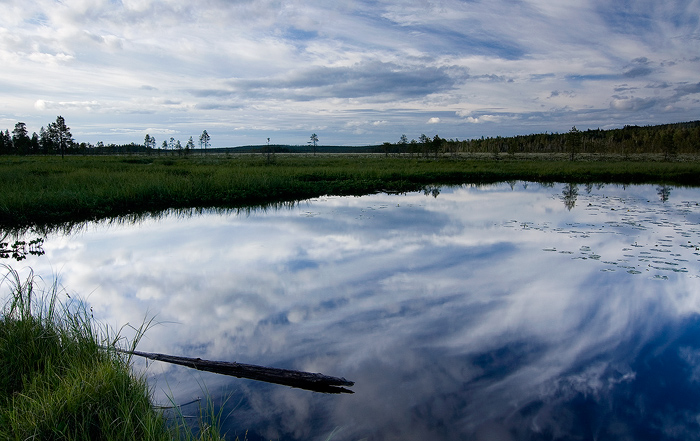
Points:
[[20, 249], [68, 228], [431, 190], [570, 194], [664, 191]]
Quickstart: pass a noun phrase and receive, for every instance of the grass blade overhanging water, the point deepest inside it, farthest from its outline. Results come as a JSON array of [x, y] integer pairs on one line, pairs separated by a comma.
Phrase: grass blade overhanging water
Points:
[[58, 382]]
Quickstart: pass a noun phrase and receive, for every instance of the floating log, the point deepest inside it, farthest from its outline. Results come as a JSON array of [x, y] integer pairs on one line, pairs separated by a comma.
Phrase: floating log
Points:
[[302, 380]]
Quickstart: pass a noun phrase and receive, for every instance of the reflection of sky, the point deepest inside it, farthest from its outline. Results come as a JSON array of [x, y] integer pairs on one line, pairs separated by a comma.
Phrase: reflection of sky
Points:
[[486, 312]]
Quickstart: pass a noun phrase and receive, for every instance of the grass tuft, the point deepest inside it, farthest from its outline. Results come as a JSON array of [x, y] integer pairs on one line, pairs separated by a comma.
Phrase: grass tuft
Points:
[[59, 380]]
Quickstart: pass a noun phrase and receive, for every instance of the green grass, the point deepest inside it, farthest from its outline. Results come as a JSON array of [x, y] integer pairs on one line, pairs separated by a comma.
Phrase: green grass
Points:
[[49, 190], [60, 381]]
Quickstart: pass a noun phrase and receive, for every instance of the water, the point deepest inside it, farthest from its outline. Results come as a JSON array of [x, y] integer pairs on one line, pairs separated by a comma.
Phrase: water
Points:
[[510, 311]]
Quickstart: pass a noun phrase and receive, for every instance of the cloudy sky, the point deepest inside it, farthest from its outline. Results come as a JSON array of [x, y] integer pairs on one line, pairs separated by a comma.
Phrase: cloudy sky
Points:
[[354, 72]]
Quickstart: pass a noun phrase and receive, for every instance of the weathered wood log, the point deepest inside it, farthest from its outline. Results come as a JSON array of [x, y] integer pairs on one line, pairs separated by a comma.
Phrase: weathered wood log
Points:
[[302, 380]]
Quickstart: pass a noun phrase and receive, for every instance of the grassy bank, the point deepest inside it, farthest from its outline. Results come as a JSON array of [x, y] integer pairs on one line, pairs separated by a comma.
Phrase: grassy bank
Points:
[[57, 382], [48, 190]]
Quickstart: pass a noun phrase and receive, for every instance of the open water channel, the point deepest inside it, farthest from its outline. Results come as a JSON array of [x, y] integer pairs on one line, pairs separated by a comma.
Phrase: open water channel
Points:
[[501, 312]]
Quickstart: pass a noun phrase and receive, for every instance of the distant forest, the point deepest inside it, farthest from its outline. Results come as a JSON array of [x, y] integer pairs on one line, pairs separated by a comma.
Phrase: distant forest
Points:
[[668, 140]]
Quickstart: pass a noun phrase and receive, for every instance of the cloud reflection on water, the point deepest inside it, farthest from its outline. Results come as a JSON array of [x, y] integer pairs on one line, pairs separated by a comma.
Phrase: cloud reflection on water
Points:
[[487, 312]]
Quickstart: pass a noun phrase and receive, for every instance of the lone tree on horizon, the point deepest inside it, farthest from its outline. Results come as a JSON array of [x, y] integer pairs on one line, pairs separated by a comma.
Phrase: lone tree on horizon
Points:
[[314, 141], [20, 138], [574, 140], [149, 142], [204, 140], [60, 134]]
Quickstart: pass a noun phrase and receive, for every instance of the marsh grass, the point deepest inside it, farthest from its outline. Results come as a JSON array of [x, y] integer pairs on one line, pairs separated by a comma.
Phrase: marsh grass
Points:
[[59, 380], [48, 190]]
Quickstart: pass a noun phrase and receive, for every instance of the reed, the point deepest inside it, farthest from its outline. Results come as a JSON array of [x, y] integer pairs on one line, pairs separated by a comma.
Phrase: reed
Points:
[[60, 380]]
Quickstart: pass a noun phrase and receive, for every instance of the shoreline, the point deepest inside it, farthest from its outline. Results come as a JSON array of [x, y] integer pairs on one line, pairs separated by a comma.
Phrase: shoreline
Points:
[[37, 191]]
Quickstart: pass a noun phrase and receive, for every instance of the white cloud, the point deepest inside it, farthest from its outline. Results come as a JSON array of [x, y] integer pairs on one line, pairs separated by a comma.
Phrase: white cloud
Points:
[[632, 104], [88, 106], [262, 63], [434, 120], [44, 58], [482, 118]]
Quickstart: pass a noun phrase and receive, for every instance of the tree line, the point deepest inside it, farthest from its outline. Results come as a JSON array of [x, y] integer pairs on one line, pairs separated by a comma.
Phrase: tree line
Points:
[[56, 138], [666, 139]]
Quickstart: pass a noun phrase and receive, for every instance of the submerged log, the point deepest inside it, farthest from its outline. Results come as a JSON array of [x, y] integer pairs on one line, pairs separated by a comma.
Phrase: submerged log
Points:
[[302, 380]]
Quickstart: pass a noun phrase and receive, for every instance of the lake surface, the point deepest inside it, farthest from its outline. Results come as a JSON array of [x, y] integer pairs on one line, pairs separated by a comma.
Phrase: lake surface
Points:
[[502, 312]]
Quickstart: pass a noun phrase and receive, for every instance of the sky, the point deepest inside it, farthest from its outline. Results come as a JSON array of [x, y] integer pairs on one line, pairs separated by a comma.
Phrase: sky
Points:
[[353, 72]]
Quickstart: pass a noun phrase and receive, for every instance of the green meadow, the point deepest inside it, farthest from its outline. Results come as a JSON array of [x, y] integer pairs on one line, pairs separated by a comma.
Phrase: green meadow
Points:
[[48, 190]]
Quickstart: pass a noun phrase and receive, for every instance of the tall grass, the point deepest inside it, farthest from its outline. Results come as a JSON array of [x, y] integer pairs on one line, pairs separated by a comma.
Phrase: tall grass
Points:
[[59, 380], [48, 190]]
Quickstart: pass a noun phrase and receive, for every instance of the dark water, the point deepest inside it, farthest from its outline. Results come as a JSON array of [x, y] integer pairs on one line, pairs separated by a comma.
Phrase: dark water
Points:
[[506, 312]]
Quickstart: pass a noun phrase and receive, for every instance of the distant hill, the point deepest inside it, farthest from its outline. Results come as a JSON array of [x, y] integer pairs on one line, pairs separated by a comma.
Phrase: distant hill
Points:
[[284, 148]]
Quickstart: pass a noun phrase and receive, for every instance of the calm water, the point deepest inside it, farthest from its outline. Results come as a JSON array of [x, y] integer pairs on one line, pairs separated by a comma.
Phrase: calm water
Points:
[[511, 311]]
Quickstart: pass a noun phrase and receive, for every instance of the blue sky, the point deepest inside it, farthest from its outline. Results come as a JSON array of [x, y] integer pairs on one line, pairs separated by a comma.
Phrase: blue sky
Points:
[[354, 72]]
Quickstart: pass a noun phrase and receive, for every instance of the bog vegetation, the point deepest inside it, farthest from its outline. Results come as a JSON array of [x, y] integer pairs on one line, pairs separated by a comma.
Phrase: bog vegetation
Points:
[[44, 190], [61, 379]]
